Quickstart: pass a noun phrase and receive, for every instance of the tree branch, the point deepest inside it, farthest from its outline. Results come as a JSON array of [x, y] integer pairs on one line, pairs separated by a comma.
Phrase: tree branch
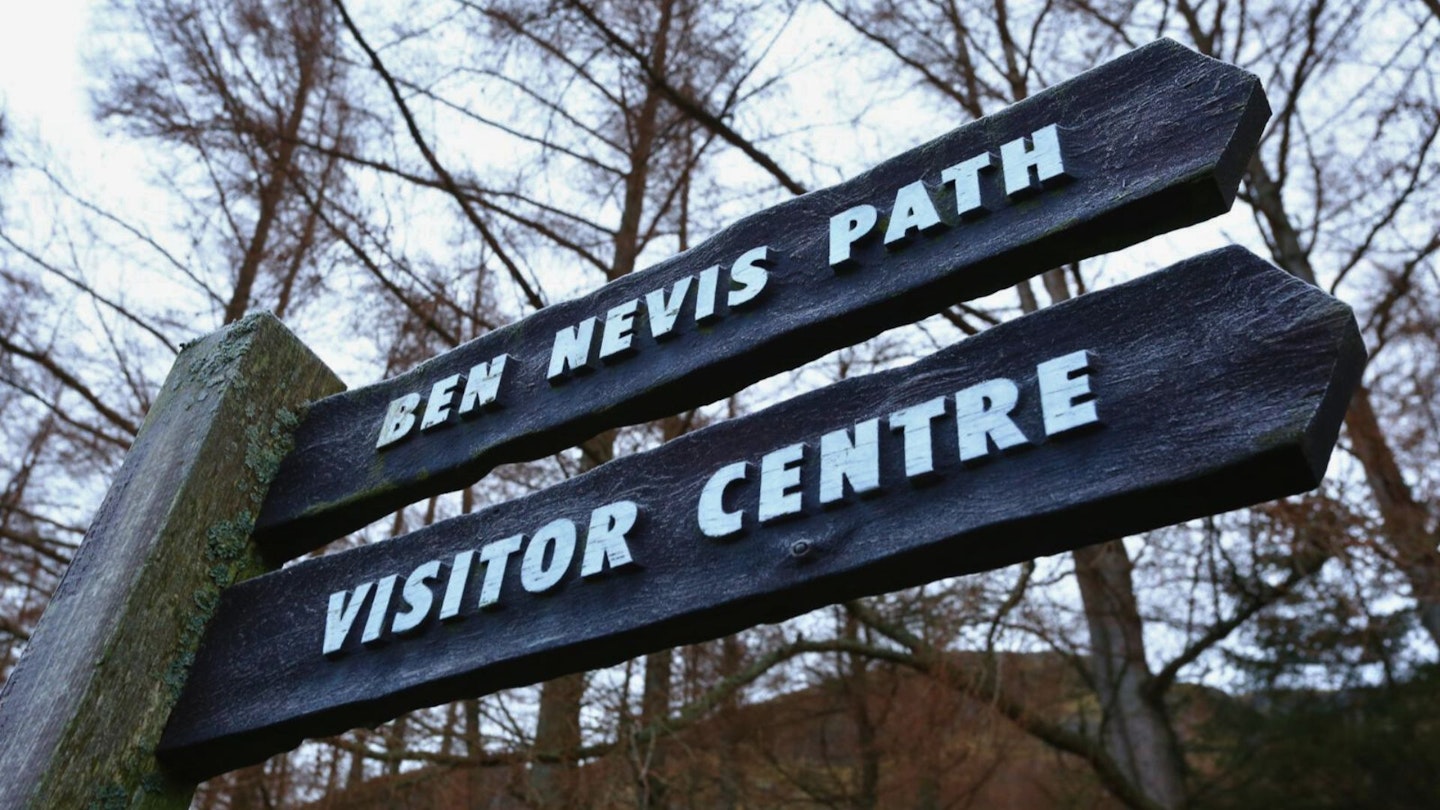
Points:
[[447, 181], [688, 105], [70, 381]]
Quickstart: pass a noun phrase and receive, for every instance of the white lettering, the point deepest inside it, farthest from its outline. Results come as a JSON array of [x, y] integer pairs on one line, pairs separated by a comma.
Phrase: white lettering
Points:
[[982, 417], [398, 421], [1017, 160], [749, 273], [662, 311], [842, 460], [619, 330], [914, 422], [341, 616], [571, 350], [705, 294], [605, 545], [400, 606], [417, 597], [966, 177], [913, 211], [495, 556], [1064, 383], [437, 407], [455, 587], [780, 483], [846, 228], [714, 520], [482, 385], [375, 622], [555, 540]]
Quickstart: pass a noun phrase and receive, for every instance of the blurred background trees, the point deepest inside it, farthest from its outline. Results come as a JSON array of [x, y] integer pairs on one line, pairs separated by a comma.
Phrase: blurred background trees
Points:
[[393, 181]]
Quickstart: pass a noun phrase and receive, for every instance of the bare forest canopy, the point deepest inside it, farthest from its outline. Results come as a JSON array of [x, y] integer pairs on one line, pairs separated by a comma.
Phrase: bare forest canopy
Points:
[[394, 181]]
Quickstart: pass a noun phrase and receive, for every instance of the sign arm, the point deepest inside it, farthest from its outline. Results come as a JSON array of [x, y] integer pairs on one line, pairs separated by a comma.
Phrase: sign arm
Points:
[[703, 324], [1095, 418]]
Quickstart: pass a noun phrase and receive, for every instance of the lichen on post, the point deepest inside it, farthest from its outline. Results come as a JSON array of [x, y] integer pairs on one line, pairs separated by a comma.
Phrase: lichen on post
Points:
[[82, 713]]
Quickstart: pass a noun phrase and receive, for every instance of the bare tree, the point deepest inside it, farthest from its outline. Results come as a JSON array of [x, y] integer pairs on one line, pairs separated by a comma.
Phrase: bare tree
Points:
[[431, 177], [236, 89]]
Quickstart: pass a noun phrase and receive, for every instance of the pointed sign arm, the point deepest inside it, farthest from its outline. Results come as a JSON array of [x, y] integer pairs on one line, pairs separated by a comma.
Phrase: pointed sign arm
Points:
[[1151, 141], [1215, 384]]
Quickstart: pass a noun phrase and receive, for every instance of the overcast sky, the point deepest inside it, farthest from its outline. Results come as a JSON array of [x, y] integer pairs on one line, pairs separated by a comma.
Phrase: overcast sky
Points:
[[41, 77]]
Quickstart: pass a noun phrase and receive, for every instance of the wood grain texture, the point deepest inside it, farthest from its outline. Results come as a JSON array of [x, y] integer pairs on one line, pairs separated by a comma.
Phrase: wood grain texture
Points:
[[1219, 382], [82, 713], [1154, 140]]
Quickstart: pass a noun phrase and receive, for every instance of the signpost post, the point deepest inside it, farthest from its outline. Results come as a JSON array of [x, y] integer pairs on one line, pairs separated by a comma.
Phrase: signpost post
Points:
[[1214, 384], [82, 712]]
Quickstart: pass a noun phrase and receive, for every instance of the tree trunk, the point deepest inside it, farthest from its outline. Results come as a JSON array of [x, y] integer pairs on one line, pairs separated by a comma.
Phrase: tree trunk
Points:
[[1404, 519], [652, 790], [643, 128], [473, 745], [356, 776], [272, 194], [731, 782], [395, 735], [1134, 726], [854, 681], [553, 778]]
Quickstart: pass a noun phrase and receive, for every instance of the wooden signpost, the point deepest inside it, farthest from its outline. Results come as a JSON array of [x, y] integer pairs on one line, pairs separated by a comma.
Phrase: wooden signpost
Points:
[[82, 712], [1215, 384], [1147, 143], [1212, 385]]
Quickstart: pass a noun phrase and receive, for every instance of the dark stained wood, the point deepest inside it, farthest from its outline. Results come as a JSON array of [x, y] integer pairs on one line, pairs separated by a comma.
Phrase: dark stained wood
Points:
[[1219, 382], [82, 713], [1154, 140]]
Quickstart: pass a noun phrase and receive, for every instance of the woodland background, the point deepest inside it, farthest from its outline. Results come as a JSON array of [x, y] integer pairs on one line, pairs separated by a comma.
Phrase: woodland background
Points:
[[394, 179]]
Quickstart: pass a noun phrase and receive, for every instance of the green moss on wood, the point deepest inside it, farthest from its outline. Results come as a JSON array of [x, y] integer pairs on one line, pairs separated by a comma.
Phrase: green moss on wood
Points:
[[109, 797], [230, 403]]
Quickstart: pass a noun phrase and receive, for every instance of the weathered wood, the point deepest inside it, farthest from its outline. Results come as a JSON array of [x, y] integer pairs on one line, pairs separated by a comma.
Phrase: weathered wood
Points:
[[1152, 141], [82, 713], [1217, 383]]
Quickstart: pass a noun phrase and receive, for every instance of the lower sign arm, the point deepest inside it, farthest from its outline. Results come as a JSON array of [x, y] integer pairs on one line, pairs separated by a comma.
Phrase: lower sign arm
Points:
[[1217, 383]]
